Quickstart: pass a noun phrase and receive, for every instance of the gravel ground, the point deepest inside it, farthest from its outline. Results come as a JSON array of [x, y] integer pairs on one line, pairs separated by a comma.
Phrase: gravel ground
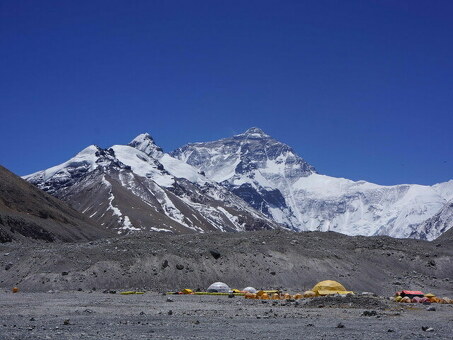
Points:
[[269, 259], [94, 315]]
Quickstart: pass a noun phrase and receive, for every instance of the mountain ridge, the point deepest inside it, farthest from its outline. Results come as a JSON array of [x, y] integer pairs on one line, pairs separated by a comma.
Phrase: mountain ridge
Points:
[[308, 200], [253, 174], [138, 187]]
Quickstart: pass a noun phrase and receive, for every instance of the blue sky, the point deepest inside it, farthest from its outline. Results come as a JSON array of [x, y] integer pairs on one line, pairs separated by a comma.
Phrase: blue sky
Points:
[[360, 89]]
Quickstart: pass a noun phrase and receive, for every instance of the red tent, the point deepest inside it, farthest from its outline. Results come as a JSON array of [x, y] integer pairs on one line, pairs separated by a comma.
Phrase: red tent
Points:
[[411, 293]]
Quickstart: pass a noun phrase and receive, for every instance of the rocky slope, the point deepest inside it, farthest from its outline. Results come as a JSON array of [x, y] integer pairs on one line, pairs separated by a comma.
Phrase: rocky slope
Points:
[[273, 179], [264, 259], [29, 213], [137, 187]]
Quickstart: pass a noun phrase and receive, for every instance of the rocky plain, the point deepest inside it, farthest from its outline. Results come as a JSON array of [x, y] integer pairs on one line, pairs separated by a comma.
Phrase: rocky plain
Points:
[[66, 289], [94, 315]]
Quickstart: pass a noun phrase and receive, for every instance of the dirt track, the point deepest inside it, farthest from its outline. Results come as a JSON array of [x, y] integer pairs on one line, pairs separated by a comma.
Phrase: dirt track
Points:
[[81, 315]]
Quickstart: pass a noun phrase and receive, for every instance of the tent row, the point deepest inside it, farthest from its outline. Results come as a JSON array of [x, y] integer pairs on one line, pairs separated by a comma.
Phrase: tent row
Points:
[[415, 296], [322, 288]]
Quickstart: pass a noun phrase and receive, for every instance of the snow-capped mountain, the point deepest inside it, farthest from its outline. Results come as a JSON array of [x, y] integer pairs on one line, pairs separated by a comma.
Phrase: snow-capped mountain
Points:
[[205, 186], [256, 168], [273, 179], [436, 225], [139, 187]]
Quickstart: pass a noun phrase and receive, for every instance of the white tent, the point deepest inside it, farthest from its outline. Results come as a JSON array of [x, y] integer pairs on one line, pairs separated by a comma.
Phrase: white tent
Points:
[[250, 290], [219, 287]]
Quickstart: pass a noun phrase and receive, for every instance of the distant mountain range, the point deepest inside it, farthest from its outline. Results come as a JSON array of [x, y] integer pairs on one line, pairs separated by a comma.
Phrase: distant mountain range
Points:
[[246, 182], [138, 187]]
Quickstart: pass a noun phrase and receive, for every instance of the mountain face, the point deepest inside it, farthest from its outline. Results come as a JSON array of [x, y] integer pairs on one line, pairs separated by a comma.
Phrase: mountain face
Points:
[[273, 179], [138, 187], [439, 224], [29, 213], [255, 167]]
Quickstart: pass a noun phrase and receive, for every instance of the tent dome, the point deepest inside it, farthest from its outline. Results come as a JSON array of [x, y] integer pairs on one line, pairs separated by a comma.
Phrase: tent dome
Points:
[[219, 287], [309, 294], [250, 290], [329, 287]]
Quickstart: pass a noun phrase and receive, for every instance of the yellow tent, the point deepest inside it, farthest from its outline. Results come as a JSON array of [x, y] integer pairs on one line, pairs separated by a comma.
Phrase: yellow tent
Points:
[[275, 296], [329, 287], [264, 296]]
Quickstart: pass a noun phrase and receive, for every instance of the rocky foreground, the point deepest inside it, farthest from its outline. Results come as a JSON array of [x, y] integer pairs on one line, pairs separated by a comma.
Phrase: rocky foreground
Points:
[[266, 259], [93, 315]]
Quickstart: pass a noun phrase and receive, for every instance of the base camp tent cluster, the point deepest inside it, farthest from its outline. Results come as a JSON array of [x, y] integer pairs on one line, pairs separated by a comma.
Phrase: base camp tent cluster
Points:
[[322, 288], [416, 296]]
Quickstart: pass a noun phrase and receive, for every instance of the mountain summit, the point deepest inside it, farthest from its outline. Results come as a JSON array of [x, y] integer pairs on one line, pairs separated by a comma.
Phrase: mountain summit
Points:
[[255, 167], [244, 153], [255, 132], [144, 142], [272, 178]]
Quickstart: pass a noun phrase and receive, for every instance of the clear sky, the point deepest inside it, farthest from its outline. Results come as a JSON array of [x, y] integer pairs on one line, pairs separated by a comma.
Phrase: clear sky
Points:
[[360, 89]]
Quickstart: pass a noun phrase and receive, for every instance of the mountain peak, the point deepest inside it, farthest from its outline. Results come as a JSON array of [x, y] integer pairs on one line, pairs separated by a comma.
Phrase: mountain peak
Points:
[[143, 137], [255, 132], [144, 142]]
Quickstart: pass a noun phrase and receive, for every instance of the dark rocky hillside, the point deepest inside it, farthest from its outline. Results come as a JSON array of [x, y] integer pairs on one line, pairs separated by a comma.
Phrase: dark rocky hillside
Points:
[[27, 212]]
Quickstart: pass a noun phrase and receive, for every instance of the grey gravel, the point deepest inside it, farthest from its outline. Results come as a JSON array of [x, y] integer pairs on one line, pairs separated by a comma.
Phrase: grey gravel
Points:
[[206, 317]]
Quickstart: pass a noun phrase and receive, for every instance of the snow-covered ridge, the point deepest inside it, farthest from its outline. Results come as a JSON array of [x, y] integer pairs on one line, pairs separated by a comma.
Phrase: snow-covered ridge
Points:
[[85, 159], [65, 174], [195, 187], [138, 187], [275, 180], [143, 156]]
